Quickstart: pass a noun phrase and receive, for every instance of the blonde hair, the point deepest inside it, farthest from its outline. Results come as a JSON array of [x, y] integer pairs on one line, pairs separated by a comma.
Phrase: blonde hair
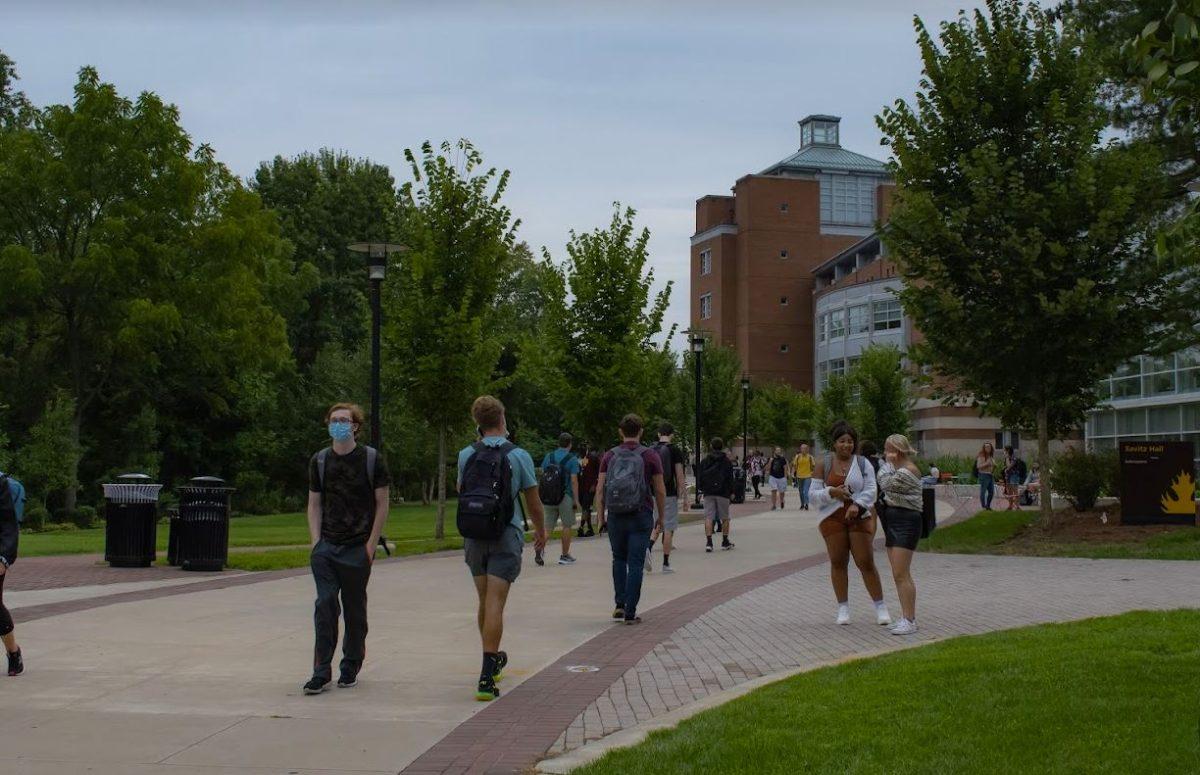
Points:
[[488, 412], [356, 413], [899, 442]]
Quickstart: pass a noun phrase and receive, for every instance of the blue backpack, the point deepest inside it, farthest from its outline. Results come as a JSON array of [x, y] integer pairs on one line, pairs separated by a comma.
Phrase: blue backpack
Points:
[[16, 492]]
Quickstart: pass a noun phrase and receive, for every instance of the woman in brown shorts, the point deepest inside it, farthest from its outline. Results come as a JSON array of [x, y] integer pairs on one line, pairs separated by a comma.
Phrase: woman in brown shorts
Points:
[[844, 491]]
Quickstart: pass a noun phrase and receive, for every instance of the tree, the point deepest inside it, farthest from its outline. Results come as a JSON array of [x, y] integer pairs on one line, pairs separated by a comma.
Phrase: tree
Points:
[[1009, 210], [595, 355], [116, 238], [836, 402], [780, 415], [720, 394], [460, 235], [49, 462], [879, 394], [15, 109]]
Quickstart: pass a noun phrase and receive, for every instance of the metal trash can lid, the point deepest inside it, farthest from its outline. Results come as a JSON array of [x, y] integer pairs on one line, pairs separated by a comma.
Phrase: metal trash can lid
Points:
[[134, 478], [206, 481], [132, 493]]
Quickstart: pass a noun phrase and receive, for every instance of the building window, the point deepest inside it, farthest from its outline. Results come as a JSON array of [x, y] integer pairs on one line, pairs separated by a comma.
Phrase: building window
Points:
[[860, 319], [848, 199], [837, 324], [823, 327], [783, 253], [887, 315], [825, 132], [783, 348], [783, 300], [706, 306], [705, 262], [783, 207]]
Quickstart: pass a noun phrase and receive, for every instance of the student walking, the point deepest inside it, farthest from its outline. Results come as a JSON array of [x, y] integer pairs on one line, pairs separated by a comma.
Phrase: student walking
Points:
[[630, 486], [985, 466], [844, 493], [11, 500], [347, 508], [802, 470], [716, 483], [676, 492], [777, 481], [556, 488], [756, 472], [900, 481], [589, 473], [496, 485], [1014, 474]]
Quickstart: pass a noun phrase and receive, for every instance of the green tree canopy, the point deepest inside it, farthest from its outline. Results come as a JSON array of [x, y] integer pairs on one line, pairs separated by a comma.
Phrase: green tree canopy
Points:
[[1011, 215], [880, 394], [780, 415], [720, 395]]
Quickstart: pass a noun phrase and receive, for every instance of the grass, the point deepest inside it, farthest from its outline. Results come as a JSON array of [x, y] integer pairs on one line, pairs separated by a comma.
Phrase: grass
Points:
[[278, 559], [1011, 532], [1112, 695]]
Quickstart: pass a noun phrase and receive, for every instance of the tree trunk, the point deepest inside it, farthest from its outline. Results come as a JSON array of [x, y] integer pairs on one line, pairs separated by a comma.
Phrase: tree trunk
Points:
[[1043, 432], [426, 492], [71, 495], [439, 531]]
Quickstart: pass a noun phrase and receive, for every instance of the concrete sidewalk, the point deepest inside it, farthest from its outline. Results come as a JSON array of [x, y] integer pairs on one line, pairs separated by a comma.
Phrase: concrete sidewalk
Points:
[[206, 681]]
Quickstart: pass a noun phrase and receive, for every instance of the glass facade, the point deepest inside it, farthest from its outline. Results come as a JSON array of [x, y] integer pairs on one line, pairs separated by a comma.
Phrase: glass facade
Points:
[[848, 199]]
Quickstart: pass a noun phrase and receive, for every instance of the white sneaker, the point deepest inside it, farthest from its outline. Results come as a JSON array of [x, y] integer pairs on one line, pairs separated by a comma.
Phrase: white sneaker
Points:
[[882, 616], [649, 565], [843, 616], [904, 627], [668, 569]]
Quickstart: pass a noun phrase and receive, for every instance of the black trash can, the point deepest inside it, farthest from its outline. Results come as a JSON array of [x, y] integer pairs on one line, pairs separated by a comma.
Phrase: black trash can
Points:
[[739, 486], [130, 521], [203, 524], [173, 536]]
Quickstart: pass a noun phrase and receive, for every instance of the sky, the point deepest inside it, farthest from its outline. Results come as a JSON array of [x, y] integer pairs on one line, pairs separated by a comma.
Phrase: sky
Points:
[[650, 104]]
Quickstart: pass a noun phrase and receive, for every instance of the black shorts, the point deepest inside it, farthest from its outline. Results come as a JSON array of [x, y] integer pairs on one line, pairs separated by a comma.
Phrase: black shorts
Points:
[[901, 527]]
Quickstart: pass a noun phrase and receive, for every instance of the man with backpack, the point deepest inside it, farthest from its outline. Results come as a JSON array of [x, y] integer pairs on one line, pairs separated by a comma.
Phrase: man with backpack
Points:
[[557, 487], [496, 490], [676, 491], [777, 478], [589, 474], [630, 485], [347, 506], [12, 509], [716, 483]]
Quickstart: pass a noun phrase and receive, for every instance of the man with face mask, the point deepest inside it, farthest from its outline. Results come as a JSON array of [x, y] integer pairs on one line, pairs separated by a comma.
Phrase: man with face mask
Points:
[[347, 507]]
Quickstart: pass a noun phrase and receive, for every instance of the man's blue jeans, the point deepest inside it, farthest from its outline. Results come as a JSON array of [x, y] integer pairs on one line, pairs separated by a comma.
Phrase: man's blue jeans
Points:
[[629, 537], [987, 490], [803, 485]]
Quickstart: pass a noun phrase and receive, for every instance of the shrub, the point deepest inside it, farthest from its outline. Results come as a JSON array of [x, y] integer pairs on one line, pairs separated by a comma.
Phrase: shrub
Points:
[[256, 494], [954, 464], [84, 517], [36, 517], [1081, 477]]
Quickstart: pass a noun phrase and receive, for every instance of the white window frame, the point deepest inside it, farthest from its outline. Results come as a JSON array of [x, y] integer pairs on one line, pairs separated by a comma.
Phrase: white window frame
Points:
[[887, 315], [705, 306], [837, 324], [865, 320], [706, 261], [848, 200]]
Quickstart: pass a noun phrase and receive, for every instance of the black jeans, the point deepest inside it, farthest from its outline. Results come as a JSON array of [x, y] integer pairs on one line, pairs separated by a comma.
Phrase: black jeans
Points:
[[340, 570]]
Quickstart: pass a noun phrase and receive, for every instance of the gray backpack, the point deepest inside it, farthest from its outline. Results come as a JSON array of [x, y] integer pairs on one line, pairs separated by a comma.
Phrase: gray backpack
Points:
[[625, 488]]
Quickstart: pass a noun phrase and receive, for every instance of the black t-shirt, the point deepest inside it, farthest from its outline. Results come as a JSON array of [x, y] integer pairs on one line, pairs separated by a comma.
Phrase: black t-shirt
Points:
[[348, 498], [778, 467], [673, 457]]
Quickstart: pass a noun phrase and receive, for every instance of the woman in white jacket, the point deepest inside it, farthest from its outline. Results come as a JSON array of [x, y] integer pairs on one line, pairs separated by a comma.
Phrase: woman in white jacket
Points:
[[843, 492]]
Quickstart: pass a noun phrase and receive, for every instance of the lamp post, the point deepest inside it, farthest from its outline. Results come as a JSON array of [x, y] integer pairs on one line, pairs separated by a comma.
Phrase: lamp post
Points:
[[377, 256], [745, 418], [697, 353]]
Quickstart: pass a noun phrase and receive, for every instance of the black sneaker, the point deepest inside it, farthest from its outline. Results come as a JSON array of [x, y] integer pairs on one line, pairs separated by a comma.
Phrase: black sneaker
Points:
[[347, 680], [316, 685], [579, 533], [537, 557], [501, 663], [727, 544], [16, 665], [633, 620], [590, 533], [618, 613], [708, 547], [487, 691]]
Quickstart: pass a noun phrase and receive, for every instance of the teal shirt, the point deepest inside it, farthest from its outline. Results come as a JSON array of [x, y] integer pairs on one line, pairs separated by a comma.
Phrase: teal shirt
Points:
[[569, 464], [522, 473]]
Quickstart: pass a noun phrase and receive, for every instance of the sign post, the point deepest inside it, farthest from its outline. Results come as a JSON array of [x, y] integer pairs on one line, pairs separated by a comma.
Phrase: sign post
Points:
[[1158, 483]]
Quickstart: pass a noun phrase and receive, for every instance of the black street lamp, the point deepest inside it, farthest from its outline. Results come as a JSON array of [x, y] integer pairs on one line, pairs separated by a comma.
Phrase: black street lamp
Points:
[[377, 257], [697, 354], [745, 423]]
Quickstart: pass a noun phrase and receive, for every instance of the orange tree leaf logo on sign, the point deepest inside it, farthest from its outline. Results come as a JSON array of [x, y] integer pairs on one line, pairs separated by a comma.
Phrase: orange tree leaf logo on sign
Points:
[[1180, 499]]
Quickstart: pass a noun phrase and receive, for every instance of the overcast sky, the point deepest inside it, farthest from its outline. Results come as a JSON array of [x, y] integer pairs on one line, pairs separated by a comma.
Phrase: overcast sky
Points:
[[652, 104]]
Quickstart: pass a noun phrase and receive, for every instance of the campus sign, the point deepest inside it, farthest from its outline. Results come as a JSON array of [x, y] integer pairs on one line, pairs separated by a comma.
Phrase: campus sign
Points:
[[1158, 483]]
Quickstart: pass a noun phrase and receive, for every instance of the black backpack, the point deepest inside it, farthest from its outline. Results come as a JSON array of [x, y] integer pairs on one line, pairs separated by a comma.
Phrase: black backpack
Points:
[[552, 483], [712, 477], [485, 497], [668, 462], [778, 467]]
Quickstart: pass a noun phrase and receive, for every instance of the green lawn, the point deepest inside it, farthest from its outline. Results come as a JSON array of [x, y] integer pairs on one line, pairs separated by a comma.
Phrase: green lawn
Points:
[[1113, 695], [990, 532], [405, 523]]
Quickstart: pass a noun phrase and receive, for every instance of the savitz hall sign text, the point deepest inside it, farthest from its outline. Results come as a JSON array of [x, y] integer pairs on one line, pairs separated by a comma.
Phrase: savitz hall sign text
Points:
[[1158, 483]]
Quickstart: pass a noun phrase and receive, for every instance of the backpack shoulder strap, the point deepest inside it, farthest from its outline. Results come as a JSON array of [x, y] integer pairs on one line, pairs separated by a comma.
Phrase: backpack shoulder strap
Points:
[[827, 464], [372, 456], [322, 460], [863, 465]]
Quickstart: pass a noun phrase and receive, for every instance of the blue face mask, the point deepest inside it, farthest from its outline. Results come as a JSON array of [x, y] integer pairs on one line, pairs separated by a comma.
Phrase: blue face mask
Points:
[[341, 431]]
